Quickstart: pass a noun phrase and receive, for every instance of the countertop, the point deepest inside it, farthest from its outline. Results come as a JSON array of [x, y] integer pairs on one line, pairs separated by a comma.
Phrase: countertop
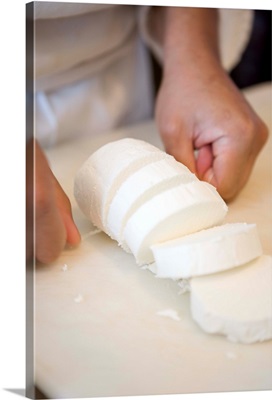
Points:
[[97, 327]]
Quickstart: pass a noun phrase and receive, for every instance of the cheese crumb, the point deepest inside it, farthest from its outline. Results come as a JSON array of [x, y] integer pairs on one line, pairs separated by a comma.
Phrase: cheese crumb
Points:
[[64, 267], [149, 267], [169, 313], [91, 233], [78, 298], [184, 286]]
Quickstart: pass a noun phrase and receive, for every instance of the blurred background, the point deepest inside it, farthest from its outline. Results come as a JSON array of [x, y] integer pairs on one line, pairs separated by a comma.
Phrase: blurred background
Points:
[[255, 65]]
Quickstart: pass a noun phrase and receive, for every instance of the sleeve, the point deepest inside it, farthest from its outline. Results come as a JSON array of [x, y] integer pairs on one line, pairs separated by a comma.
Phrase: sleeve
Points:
[[235, 27]]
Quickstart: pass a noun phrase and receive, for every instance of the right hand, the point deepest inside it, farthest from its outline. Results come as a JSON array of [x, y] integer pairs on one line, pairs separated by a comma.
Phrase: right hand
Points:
[[213, 117], [198, 106], [54, 225]]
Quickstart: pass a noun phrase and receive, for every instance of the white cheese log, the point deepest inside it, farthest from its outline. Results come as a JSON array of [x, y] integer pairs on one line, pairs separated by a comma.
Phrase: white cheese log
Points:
[[236, 303], [208, 251], [140, 187], [176, 212], [104, 171]]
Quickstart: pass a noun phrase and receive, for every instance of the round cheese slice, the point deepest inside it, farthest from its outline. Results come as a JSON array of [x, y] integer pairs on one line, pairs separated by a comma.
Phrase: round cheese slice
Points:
[[104, 171], [207, 251], [178, 211], [235, 303], [140, 187]]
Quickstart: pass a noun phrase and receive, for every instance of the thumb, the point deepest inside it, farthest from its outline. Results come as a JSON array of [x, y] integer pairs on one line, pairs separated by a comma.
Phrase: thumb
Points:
[[204, 162], [178, 143], [64, 206]]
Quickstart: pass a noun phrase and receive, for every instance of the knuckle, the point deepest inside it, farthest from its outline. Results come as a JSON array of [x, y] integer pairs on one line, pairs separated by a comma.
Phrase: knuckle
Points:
[[170, 129], [247, 128], [253, 132], [228, 192], [256, 134], [263, 133]]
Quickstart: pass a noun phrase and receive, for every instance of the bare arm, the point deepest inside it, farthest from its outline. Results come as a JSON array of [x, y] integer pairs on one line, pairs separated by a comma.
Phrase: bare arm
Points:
[[199, 107]]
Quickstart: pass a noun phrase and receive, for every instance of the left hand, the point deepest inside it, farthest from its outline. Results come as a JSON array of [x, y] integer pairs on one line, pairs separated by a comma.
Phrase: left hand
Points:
[[46, 200]]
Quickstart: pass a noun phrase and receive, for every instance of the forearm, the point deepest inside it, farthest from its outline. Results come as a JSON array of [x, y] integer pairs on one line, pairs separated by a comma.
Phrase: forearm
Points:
[[189, 38], [199, 107]]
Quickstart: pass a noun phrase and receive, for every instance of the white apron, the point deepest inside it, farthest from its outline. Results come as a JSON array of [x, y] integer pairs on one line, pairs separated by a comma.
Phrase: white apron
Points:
[[92, 68]]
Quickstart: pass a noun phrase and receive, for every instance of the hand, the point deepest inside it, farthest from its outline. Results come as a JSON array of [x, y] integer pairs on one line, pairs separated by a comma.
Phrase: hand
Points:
[[206, 112], [198, 106], [54, 225]]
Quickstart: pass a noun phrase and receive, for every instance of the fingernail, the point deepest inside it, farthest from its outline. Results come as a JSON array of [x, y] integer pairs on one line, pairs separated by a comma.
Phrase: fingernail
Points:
[[210, 178]]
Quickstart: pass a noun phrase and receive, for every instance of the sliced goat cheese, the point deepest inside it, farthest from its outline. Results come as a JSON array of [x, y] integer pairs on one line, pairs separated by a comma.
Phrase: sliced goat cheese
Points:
[[175, 212], [236, 303], [104, 171], [140, 187], [207, 251]]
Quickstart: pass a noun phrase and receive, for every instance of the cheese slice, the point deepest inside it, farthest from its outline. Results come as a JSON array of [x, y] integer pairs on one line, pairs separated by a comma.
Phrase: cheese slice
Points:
[[176, 212], [104, 171], [140, 187], [235, 303], [207, 251]]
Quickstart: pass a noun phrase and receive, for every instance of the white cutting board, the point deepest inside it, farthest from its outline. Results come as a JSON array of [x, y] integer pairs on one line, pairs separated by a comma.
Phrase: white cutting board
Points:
[[113, 343]]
